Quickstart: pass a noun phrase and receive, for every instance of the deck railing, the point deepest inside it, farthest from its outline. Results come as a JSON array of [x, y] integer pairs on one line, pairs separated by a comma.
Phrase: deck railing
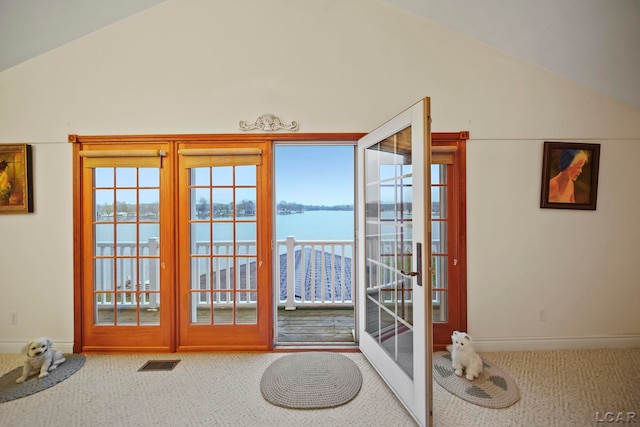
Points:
[[314, 272], [129, 275], [309, 273]]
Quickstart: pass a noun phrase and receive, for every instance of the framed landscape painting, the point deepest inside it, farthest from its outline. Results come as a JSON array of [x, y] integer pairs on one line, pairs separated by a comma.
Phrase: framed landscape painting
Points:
[[570, 175], [16, 194]]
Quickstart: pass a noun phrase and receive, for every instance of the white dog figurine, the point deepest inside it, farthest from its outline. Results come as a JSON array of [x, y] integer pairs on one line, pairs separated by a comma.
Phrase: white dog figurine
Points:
[[464, 356], [40, 357]]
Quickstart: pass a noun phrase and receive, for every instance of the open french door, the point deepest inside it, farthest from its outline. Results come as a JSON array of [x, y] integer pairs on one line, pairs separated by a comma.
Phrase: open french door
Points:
[[394, 291]]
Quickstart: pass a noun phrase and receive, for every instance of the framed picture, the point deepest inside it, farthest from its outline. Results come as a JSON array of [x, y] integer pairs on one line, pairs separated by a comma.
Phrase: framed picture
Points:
[[570, 175], [16, 193]]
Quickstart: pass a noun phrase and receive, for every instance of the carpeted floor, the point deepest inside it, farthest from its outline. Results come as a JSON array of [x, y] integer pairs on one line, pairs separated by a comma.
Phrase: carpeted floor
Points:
[[557, 388], [204, 389], [563, 388]]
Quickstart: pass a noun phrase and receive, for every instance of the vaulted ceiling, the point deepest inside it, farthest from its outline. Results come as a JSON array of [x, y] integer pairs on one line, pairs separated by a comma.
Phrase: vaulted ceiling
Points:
[[593, 42]]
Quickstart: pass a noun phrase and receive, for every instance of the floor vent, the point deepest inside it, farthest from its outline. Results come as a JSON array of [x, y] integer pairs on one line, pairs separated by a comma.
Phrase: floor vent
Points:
[[159, 365]]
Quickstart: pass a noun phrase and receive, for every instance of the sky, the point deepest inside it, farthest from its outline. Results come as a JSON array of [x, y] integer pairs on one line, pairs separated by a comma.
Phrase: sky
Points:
[[314, 175], [304, 174]]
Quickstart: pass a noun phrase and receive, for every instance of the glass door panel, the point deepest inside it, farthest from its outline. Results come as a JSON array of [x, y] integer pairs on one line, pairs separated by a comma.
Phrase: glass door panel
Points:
[[123, 278], [225, 290], [439, 241], [394, 318], [223, 245], [126, 253]]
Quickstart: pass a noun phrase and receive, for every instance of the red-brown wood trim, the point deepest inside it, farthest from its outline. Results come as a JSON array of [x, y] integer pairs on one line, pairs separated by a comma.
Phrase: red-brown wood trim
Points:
[[236, 137], [457, 139], [77, 251], [462, 232]]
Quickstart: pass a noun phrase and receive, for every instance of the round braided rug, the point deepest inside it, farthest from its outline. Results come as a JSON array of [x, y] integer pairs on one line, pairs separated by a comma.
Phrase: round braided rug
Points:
[[492, 389], [9, 390], [311, 380]]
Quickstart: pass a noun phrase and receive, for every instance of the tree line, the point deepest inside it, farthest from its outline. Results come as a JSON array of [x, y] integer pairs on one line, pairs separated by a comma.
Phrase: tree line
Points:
[[284, 206]]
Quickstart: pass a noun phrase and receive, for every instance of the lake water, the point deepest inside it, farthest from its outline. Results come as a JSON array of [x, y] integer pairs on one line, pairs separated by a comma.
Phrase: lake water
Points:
[[310, 225], [316, 225]]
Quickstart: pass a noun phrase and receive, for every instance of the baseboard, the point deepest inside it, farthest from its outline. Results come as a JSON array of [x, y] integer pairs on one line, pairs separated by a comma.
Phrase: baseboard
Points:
[[16, 347], [556, 343]]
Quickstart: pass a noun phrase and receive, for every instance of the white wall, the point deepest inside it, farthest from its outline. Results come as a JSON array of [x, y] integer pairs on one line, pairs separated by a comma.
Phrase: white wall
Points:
[[199, 66]]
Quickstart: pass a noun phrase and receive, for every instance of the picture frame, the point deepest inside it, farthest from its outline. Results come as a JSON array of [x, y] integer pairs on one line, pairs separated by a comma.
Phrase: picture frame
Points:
[[16, 186], [570, 175]]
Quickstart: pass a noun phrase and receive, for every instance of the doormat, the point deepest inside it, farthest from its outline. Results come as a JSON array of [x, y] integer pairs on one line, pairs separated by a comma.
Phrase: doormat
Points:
[[159, 365], [9, 390], [311, 380], [492, 389]]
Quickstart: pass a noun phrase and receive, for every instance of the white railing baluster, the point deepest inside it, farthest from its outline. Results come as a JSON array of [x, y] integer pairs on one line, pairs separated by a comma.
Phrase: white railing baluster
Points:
[[304, 260], [333, 274], [291, 275], [152, 275], [333, 252], [313, 292], [218, 263]]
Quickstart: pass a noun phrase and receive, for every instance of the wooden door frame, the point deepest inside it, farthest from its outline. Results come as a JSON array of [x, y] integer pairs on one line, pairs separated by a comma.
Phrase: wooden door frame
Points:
[[79, 141], [457, 139], [458, 307]]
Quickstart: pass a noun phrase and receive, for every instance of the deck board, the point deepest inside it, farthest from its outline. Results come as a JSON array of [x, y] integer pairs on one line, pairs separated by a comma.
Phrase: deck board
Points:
[[316, 325], [303, 325]]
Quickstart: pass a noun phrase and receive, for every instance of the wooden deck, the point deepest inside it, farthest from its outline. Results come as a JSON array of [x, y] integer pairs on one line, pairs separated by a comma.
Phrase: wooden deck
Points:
[[301, 326], [316, 325]]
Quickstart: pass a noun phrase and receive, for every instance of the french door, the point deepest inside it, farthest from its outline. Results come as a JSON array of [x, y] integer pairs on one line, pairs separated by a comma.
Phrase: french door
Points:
[[224, 252], [124, 261], [172, 244], [394, 247]]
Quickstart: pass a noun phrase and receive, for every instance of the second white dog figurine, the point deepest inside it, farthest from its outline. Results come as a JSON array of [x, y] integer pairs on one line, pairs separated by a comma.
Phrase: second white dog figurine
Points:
[[464, 356], [40, 356]]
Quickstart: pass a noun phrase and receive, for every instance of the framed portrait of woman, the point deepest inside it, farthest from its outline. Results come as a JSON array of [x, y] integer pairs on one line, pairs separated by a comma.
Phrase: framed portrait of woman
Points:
[[570, 175], [16, 194]]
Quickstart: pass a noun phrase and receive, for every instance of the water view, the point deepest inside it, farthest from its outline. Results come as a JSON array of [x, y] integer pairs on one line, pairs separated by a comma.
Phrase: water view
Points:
[[312, 225]]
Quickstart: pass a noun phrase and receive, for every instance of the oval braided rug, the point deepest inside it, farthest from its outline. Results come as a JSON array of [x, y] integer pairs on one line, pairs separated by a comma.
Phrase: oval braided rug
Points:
[[311, 380], [9, 390], [492, 389]]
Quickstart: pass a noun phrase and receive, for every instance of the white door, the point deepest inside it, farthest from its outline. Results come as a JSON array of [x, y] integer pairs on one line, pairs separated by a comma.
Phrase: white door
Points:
[[394, 290]]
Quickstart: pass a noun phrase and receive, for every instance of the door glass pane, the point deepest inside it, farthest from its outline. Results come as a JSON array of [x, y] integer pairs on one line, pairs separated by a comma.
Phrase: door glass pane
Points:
[[246, 175], [126, 177], [389, 246], [149, 177], [439, 237], [222, 176], [104, 309], [222, 201], [104, 177], [439, 242], [440, 306], [201, 232], [202, 312], [438, 202], [223, 231], [127, 249], [249, 309]]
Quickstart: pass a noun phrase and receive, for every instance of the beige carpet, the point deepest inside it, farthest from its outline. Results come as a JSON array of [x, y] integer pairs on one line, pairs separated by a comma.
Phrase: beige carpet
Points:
[[557, 388]]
